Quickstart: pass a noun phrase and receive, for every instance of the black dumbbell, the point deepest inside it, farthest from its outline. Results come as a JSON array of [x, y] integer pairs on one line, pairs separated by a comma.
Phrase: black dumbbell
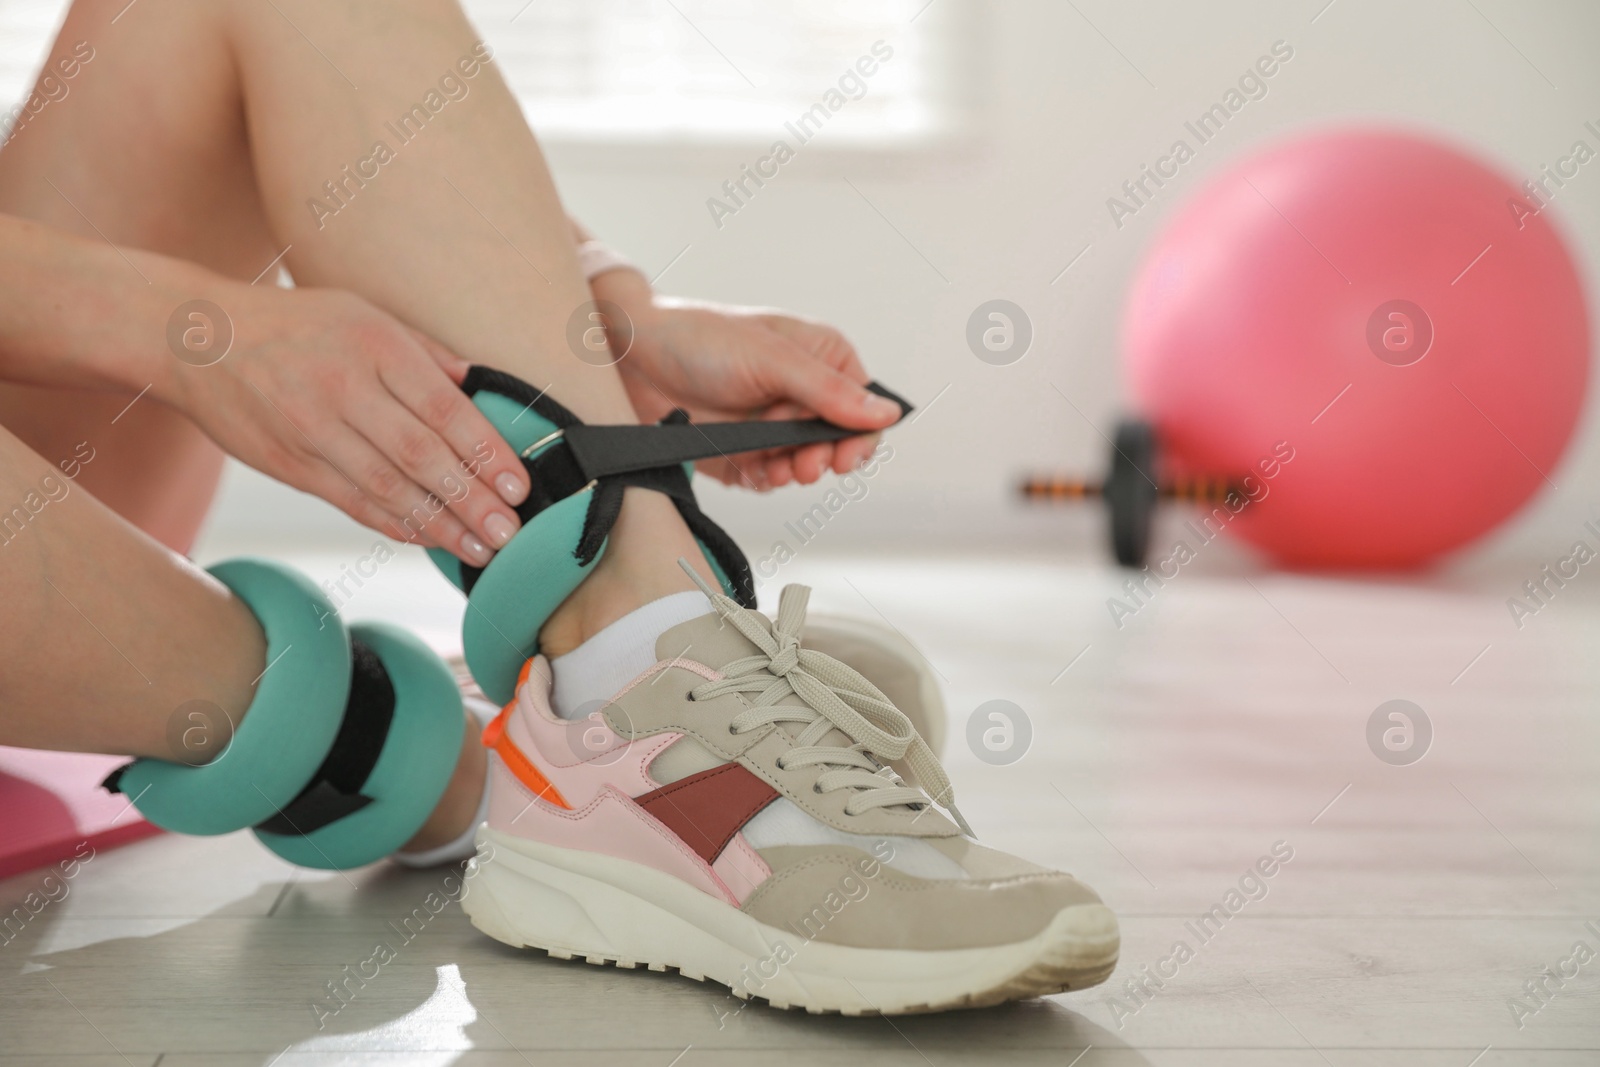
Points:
[[1132, 488]]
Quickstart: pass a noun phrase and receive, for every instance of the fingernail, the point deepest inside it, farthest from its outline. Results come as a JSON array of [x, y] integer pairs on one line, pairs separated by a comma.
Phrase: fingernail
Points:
[[881, 407], [500, 529], [475, 550], [511, 488]]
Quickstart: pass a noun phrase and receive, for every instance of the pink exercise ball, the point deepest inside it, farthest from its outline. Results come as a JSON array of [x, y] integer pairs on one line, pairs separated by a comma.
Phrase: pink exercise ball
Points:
[[1395, 316]]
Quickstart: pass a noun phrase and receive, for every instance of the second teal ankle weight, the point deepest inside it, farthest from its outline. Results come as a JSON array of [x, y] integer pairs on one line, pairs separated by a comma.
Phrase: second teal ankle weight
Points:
[[350, 742], [290, 724]]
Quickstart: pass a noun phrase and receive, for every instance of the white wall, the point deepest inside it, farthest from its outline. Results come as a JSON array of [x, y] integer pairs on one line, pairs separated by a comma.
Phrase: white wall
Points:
[[1065, 121], [1060, 119]]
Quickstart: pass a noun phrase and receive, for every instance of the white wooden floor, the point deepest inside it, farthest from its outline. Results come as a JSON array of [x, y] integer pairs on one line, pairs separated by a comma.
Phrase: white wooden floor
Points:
[[1167, 757]]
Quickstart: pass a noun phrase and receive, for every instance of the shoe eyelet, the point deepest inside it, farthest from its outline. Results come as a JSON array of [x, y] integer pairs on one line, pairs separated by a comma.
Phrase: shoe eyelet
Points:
[[815, 788], [732, 731], [691, 696]]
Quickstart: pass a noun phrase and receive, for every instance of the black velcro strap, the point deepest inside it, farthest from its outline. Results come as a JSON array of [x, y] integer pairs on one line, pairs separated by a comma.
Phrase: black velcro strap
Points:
[[335, 789], [552, 477], [601, 451], [650, 457], [606, 504], [675, 483], [723, 549], [513, 388]]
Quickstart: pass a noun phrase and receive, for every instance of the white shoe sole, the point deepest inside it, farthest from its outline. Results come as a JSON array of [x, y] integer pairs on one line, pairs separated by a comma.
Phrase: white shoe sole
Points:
[[584, 905]]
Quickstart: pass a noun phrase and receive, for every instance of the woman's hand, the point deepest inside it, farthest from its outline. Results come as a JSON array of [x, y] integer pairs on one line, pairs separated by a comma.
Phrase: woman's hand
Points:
[[728, 363], [327, 393]]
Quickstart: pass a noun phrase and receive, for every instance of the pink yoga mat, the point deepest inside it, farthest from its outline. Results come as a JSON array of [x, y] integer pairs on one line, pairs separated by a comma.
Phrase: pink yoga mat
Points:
[[51, 803]]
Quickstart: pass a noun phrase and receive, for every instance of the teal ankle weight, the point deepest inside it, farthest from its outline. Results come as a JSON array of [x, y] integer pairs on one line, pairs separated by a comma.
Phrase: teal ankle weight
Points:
[[412, 769], [578, 474], [290, 724], [343, 754]]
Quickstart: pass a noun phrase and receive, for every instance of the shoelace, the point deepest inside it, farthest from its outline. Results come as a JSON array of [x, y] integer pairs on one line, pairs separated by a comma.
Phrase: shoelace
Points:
[[835, 696]]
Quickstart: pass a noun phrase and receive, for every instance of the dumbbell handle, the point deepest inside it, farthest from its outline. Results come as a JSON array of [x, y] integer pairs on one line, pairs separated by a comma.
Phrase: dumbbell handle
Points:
[[1200, 490]]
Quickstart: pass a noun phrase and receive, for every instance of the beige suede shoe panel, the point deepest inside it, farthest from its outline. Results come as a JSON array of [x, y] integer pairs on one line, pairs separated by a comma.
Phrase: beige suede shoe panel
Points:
[[662, 703], [982, 862], [708, 640], [844, 896]]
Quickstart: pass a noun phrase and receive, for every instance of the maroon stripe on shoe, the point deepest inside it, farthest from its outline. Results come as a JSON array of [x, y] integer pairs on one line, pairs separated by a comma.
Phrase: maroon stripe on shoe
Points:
[[705, 810]]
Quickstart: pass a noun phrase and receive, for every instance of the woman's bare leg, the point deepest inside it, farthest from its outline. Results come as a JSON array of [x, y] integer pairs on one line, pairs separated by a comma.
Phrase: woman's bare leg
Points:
[[215, 156], [460, 234], [123, 631], [152, 155], [111, 637], [110, 634]]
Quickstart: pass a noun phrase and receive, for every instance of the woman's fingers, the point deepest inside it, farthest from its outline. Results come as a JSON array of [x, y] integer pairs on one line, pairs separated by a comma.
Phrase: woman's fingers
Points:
[[818, 372], [413, 509], [780, 470], [453, 365], [811, 461], [832, 395], [447, 411], [821, 342], [325, 481], [424, 458], [780, 466], [745, 472], [851, 453]]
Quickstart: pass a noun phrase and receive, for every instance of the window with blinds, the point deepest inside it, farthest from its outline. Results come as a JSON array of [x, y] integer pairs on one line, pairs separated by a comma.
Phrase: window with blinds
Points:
[[632, 71], [715, 70]]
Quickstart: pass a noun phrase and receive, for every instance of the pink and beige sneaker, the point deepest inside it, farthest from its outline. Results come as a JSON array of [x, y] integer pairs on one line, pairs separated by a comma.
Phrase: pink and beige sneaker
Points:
[[732, 814]]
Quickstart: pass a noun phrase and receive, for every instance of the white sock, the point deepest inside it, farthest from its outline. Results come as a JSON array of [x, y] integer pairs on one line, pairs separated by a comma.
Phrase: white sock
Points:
[[597, 670], [464, 845]]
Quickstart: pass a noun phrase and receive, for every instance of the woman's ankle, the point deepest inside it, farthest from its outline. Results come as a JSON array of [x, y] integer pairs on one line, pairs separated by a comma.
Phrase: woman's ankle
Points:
[[462, 796], [639, 566], [605, 596]]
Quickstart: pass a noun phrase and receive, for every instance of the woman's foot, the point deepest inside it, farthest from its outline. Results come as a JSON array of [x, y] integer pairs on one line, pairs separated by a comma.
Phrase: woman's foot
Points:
[[882, 655], [728, 814]]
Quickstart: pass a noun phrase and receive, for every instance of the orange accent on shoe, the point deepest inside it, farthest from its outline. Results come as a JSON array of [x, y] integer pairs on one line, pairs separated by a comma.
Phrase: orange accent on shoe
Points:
[[497, 726], [494, 737], [491, 733]]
